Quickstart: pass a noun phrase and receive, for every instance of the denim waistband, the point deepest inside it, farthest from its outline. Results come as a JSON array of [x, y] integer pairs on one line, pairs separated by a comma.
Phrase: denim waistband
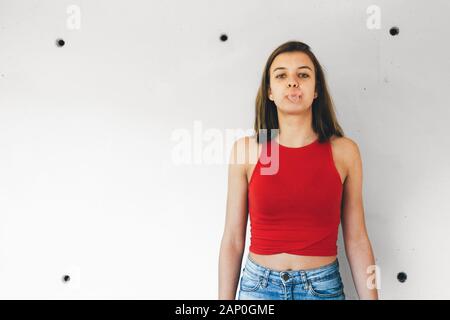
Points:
[[294, 276]]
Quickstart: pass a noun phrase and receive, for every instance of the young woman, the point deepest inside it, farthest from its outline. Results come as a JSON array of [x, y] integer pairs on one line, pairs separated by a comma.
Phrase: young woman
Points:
[[300, 177]]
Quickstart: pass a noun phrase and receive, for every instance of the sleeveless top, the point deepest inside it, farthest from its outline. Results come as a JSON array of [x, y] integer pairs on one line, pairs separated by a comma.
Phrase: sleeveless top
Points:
[[294, 200]]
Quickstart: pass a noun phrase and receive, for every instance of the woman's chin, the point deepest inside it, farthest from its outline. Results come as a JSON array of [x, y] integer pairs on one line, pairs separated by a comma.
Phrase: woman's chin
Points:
[[294, 109]]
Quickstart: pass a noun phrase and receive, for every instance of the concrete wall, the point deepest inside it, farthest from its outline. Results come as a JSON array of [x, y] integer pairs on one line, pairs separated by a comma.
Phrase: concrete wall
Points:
[[90, 183]]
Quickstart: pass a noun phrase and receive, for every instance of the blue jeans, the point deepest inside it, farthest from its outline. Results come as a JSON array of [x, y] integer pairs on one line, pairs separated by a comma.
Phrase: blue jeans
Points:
[[260, 283]]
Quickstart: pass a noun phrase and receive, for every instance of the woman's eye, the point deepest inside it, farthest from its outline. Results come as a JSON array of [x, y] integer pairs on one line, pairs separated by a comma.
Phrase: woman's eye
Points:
[[303, 75]]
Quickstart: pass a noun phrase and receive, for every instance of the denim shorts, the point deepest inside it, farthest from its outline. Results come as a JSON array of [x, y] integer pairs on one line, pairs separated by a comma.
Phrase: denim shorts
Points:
[[260, 283]]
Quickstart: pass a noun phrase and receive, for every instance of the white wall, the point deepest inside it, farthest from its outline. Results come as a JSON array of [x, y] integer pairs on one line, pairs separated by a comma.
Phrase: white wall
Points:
[[88, 184]]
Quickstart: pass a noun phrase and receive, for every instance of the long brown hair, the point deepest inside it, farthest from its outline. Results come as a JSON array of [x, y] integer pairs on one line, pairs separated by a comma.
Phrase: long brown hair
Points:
[[324, 122]]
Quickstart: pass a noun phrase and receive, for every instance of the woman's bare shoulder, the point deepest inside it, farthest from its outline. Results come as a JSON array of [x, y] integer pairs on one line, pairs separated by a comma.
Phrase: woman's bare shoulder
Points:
[[255, 149], [346, 149], [249, 149], [342, 142]]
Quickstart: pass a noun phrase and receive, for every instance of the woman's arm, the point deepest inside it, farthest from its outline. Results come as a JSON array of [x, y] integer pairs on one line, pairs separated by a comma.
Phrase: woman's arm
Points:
[[357, 244], [233, 241]]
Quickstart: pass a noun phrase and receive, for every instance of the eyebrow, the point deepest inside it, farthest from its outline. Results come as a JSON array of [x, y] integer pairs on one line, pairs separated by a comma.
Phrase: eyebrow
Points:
[[302, 67]]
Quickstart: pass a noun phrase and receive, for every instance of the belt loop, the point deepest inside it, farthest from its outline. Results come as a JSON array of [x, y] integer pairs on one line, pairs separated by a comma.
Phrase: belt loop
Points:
[[265, 278], [304, 279]]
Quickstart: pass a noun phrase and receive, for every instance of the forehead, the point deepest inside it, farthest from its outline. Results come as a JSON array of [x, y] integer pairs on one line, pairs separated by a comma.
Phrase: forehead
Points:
[[292, 60]]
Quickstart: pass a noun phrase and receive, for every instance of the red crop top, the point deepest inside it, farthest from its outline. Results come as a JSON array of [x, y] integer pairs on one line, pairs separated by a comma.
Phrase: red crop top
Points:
[[294, 200]]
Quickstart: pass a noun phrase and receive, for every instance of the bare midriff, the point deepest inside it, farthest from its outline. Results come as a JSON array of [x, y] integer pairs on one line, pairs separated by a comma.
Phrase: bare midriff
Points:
[[286, 261]]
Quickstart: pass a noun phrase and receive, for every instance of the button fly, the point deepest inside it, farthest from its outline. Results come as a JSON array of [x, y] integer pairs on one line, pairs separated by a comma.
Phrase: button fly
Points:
[[285, 276]]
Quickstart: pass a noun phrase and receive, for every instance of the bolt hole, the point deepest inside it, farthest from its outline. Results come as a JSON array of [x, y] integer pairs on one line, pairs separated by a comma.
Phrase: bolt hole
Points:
[[401, 276], [60, 43], [394, 31]]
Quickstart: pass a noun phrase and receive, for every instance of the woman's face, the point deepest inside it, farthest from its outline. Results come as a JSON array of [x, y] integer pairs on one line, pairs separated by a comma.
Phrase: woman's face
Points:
[[292, 82]]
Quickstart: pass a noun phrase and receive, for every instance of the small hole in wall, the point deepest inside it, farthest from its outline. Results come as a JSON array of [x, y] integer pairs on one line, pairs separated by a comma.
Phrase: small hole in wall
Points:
[[401, 276], [394, 31], [66, 278], [60, 42], [223, 37]]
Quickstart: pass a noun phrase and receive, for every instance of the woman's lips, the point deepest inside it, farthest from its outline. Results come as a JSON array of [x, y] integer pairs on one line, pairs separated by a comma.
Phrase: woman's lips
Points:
[[293, 97]]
